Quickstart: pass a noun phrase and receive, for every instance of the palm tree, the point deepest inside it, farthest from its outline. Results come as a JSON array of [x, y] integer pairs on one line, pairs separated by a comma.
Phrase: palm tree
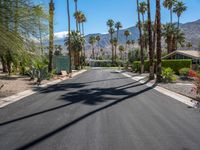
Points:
[[169, 4], [76, 9], [158, 42], [168, 32], [51, 35], [141, 39], [121, 49], [179, 9], [69, 37], [151, 51], [127, 33], [98, 38], [142, 9], [110, 24], [118, 26], [92, 41], [83, 20], [115, 41], [78, 16]]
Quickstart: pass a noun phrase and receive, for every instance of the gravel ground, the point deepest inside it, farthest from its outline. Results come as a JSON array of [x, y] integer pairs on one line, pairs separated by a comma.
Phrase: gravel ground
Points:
[[17, 83], [184, 89]]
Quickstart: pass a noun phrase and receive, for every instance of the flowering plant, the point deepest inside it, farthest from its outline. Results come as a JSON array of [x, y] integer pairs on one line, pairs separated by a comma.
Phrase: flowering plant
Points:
[[196, 76]]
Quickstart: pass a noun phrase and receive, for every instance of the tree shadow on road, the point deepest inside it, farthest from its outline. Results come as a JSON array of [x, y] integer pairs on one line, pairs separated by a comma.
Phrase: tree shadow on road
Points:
[[88, 97]]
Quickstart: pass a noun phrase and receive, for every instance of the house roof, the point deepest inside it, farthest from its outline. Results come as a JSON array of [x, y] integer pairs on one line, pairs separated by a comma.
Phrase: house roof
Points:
[[189, 53]]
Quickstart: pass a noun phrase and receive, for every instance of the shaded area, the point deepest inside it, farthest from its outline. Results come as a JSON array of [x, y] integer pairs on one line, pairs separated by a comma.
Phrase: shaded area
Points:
[[86, 101]]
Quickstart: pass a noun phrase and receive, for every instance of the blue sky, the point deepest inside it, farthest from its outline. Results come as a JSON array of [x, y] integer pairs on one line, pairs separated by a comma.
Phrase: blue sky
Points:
[[99, 11]]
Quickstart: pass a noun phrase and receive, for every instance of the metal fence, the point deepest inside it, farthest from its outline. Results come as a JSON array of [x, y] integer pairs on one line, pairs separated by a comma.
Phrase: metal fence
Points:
[[61, 63]]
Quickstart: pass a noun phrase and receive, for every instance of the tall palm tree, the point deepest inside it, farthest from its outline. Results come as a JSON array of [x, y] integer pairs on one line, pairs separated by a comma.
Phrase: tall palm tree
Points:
[[76, 9], [83, 20], [141, 39], [169, 4], [69, 37], [143, 9], [118, 26], [92, 41], [151, 52], [121, 49], [158, 42], [127, 34], [78, 16], [179, 8], [115, 41], [51, 35], [98, 38], [110, 24]]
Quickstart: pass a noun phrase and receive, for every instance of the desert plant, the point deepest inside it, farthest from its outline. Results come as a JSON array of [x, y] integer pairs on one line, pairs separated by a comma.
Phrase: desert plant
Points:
[[168, 75], [184, 72]]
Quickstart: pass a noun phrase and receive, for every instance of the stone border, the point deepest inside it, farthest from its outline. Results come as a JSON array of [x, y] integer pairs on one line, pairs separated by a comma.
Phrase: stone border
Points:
[[14, 98]]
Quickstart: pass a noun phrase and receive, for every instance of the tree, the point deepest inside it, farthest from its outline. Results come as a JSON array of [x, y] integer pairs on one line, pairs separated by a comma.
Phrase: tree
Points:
[[76, 44], [118, 26], [115, 41], [76, 9], [110, 24], [158, 42], [98, 38], [51, 34], [179, 9], [92, 41], [151, 51], [121, 49], [127, 33], [141, 39], [168, 32], [79, 17], [169, 4], [143, 9], [69, 37]]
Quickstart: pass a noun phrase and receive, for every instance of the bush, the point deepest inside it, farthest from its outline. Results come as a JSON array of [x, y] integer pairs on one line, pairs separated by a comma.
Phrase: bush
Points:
[[168, 75], [175, 65], [184, 72]]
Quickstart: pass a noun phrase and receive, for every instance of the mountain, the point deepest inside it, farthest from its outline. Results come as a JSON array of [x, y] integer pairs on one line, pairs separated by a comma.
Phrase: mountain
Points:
[[191, 30]]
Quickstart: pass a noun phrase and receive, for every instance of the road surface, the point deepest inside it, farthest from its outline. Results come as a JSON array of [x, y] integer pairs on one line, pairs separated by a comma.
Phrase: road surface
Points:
[[99, 110]]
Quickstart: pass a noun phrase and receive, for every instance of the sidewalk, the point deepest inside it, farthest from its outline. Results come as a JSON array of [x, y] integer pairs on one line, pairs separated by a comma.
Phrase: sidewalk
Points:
[[16, 97]]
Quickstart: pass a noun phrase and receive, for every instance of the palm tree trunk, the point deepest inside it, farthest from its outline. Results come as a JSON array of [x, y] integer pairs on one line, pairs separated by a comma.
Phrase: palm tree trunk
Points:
[[171, 13], [76, 9], [159, 50], [141, 40], [93, 52], [69, 37], [154, 36], [112, 48], [151, 52], [51, 34]]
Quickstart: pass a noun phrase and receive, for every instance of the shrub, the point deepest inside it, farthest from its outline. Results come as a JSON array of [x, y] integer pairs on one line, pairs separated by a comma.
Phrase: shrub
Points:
[[168, 75], [175, 65], [192, 73], [184, 72]]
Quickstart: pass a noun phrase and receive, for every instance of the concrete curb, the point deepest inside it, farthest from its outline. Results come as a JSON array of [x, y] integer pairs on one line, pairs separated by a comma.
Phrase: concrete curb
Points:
[[14, 98], [183, 99]]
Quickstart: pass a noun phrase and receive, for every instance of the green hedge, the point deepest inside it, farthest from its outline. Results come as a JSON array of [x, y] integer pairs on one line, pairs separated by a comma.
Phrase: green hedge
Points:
[[176, 65]]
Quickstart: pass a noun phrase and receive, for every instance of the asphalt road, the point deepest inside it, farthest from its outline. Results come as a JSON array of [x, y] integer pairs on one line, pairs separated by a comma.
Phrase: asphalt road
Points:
[[99, 110]]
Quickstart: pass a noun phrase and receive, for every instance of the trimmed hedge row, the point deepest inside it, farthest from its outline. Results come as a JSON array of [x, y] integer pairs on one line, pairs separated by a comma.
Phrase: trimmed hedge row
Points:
[[174, 64]]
